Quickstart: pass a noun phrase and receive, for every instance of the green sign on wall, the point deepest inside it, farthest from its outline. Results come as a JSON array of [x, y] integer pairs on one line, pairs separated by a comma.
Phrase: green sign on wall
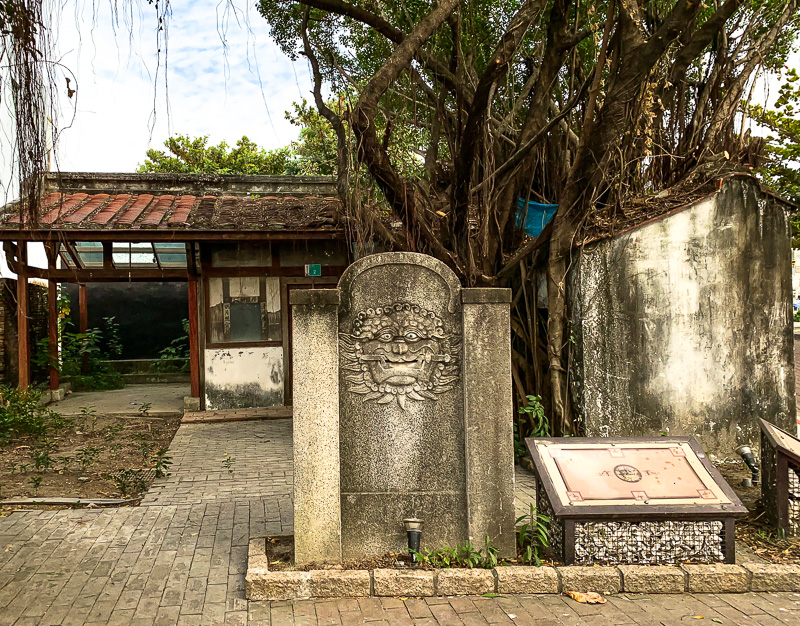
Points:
[[315, 269]]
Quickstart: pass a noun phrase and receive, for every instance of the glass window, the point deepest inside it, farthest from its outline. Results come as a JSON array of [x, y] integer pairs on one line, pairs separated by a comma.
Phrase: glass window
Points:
[[244, 309]]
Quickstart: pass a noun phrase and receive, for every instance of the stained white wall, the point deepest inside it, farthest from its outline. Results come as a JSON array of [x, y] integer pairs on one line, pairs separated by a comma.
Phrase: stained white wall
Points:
[[684, 324], [243, 377]]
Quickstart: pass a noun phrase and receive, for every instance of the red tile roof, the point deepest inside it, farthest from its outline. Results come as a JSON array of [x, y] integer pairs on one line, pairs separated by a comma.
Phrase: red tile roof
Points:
[[120, 211]]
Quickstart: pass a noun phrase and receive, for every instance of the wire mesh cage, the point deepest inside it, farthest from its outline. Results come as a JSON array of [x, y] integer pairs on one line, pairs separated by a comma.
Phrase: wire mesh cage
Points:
[[780, 478], [607, 509]]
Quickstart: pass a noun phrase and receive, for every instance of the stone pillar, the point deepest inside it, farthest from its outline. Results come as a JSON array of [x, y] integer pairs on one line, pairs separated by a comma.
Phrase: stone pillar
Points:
[[488, 418], [315, 346]]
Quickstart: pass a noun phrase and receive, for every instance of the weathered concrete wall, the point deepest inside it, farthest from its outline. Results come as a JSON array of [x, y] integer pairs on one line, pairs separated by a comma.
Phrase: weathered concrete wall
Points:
[[315, 432], [238, 378], [684, 324]]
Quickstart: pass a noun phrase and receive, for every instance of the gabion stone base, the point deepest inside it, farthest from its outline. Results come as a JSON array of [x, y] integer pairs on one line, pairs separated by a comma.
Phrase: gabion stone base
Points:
[[649, 543], [794, 501]]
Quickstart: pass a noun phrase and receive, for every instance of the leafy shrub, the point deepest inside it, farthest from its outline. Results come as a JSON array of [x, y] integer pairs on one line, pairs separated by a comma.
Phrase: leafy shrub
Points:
[[84, 356], [21, 413]]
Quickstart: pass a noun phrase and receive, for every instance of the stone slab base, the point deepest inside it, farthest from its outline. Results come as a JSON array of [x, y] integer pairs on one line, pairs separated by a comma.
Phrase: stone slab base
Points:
[[261, 584]]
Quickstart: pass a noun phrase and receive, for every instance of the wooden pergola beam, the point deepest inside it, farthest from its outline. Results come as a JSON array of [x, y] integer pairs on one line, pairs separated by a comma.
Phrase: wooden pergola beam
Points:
[[23, 321]]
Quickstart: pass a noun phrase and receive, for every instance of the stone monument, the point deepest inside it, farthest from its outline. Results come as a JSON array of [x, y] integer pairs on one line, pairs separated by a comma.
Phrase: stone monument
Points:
[[402, 408]]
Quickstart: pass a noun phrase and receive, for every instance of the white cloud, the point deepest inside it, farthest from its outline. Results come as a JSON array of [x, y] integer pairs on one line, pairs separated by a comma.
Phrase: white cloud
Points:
[[223, 93]]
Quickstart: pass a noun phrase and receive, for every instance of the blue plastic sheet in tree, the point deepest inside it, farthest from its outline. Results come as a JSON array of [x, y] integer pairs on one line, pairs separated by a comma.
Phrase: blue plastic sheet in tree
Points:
[[536, 217]]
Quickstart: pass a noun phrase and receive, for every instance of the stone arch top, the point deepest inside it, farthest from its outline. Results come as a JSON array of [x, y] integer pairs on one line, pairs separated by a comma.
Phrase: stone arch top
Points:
[[404, 258]]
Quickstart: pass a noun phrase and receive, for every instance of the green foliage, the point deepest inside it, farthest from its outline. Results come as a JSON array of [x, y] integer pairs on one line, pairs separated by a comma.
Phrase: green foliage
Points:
[[781, 171], [194, 156], [796, 315], [532, 423], [175, 357], [36, 481], [161, 462], [87, 457], [42, 460], [316, 149], [84, 355], [532, 536], [464, 555], [21, 413]]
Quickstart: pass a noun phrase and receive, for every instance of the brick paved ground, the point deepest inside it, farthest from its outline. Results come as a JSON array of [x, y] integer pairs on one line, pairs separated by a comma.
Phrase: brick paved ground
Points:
[[180, 558]]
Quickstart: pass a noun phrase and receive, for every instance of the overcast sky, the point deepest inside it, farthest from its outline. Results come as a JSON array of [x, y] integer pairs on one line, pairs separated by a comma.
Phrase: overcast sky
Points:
[[241, 87]]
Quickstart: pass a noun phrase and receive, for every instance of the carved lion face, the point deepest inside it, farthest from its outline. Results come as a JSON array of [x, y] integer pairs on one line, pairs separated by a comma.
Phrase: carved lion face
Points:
[[399, 351]]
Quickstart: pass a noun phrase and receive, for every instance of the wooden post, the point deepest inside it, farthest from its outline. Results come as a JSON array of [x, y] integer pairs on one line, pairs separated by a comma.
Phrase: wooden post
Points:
[[52, 331], [194, 351], [83, 320], [23, 327]]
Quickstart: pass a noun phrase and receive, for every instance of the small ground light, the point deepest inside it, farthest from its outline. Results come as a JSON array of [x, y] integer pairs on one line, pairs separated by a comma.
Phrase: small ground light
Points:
[[413, 532]]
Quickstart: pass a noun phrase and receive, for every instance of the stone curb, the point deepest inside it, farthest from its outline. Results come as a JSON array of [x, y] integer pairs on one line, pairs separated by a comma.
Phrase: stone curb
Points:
[[261, 584]]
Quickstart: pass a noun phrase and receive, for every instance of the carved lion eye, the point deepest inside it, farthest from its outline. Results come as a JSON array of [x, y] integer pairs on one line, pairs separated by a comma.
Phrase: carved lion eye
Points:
[[412, 335], [386, 336]]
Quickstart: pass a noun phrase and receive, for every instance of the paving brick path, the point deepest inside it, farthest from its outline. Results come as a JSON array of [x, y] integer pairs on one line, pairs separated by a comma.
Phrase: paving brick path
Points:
[[180, 558]]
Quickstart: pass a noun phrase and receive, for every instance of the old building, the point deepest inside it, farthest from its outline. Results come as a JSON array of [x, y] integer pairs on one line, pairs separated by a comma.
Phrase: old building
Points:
[[241, 244]]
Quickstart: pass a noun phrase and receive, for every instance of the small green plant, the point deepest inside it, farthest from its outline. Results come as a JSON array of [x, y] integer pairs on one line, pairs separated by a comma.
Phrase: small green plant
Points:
[[532, 536], [532, 422], [83, 356], [89, 417], [144, 445], [111, 431], [161, 462], [87, 456], [42, 460], [144, 409], [464, 555], [228, 463], [489, 559], [23, 467], [12, 467], [65, 462], [36, 481]]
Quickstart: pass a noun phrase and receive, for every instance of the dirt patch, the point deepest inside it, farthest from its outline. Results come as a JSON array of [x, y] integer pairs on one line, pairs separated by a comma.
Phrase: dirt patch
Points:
[[89, 456]]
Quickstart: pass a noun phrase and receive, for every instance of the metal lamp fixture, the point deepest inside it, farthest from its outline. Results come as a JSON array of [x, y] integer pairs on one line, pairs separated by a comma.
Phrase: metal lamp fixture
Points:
[[750, 460], [413, 532]]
